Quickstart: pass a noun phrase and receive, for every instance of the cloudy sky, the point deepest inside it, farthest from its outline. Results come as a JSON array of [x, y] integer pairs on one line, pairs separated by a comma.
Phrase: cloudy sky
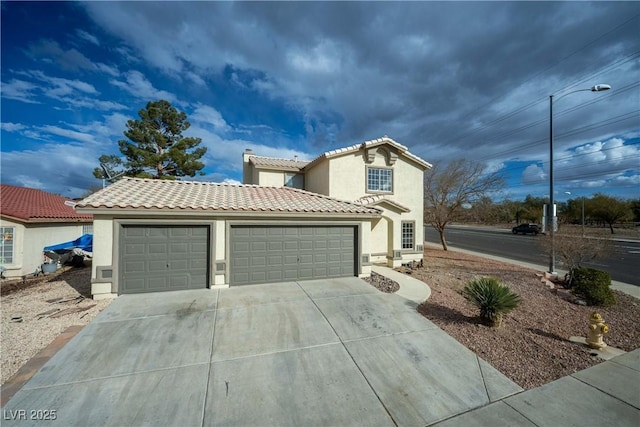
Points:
[[449, 80]]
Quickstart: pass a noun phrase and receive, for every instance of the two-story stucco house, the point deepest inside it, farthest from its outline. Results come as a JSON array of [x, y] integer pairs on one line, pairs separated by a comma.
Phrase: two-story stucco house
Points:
[[380, 173], [291, 220]]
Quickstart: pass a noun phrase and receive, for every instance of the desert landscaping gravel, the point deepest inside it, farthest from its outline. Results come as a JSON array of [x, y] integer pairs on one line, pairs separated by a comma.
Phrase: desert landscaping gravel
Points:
[[27, 324], [382, 283], [532, 347]]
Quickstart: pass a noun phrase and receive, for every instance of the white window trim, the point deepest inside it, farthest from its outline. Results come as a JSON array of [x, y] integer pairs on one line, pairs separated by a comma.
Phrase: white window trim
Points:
[[369, 190], [413, 235], [12, 232]]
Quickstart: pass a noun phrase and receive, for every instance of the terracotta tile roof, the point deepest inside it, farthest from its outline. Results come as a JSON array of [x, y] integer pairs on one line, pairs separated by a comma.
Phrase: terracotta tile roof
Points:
[[135, 193], [368, 144], [272, 162], [376, 199], [32, 205]]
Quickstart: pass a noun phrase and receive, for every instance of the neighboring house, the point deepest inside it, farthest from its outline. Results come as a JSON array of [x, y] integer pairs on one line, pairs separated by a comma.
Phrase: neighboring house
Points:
[[331, 217], [31, 219]]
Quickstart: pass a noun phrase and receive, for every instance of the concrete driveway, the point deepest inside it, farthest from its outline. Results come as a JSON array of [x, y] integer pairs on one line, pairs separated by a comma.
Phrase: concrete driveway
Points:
[[322, 352]]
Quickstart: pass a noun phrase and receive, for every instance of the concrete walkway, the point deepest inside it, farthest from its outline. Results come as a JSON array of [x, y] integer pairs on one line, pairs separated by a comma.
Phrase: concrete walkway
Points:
[[412, 289], [607, 394]]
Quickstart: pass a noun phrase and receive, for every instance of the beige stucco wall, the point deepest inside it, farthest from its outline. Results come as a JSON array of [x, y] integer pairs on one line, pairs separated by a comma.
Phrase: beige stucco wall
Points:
[[268, 178], [30, 239], [345, 177], [106, 229], [316, 178]]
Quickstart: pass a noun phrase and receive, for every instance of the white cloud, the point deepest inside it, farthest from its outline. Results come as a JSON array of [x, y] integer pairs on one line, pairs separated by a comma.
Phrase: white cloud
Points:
[[62, 168], [12, 127], [139, 86], [628, 180], [88, 37], [19, 90], [206, 115], [67, 133], [108, 69], [533, 174], [195, 78], [231, 181]]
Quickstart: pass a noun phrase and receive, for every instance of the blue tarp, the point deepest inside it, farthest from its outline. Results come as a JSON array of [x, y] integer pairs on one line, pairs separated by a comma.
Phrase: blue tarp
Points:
[[84, 242]]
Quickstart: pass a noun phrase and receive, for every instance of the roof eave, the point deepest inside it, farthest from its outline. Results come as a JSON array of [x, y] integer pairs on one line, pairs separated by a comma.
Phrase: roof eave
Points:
[[36, 220], [222, 213]]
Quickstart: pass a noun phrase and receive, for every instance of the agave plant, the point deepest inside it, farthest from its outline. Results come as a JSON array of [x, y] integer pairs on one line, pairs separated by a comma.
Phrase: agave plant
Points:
[[492, 297]]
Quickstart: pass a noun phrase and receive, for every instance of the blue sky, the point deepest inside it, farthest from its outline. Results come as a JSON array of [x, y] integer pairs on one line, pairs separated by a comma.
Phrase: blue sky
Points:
[[448, 80]]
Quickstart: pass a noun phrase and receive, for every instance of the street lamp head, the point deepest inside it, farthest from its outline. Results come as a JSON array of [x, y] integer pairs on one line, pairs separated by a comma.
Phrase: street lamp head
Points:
[[600, 88]]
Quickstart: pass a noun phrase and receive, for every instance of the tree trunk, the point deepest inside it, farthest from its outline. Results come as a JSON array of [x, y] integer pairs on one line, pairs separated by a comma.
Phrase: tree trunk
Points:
[[443, 240], [611, 228]]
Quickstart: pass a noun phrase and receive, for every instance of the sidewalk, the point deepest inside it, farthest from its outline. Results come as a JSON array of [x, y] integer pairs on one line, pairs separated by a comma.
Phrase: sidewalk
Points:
[[603, 395]]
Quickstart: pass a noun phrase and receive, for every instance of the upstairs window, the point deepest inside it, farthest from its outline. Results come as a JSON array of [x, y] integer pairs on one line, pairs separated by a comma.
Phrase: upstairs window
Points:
[[6, 245], [293, 180], [379, 179], [408, 236]]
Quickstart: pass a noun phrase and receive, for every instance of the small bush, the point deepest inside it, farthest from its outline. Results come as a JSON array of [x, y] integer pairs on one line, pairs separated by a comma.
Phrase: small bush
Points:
[[593, 285], [492, 297]]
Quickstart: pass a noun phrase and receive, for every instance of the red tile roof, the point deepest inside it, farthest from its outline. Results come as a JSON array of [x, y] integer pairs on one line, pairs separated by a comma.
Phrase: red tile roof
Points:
[[32, 205], [135, 193]]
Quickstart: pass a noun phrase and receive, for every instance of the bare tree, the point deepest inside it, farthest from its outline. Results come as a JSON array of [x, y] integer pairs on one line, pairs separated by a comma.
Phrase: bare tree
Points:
[[462, 182], [574, 249]]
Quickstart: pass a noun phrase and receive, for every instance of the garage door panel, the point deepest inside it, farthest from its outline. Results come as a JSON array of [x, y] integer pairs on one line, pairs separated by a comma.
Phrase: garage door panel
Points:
[[258, 261], [240, 246], [258, 246], [130, 250], [290, 245], [136, 284], [135, 266], [306, 245], [261, 254], [163, 258], [157, 232], [179, 248]]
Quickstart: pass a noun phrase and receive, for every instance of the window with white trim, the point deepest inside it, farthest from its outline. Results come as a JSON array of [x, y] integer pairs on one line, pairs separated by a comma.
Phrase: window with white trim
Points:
[[379, 179], [408, 235], [6, 245]]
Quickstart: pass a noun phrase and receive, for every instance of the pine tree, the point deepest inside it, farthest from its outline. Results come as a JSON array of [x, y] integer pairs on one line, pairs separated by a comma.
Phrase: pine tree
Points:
[[156, 148]]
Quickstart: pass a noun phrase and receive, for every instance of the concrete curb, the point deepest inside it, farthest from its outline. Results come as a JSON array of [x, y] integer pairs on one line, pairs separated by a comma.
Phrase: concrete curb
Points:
[[412, 289]]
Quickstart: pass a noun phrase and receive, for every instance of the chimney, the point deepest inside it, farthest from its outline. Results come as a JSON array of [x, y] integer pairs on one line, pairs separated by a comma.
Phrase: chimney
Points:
[[295, 158], [247, 169]]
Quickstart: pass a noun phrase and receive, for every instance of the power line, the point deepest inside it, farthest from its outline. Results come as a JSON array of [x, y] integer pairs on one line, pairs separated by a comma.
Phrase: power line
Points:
[[535, 102]]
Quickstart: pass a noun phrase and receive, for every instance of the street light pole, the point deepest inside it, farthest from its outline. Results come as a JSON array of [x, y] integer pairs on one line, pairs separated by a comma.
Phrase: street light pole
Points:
[[551, 212], [551, 215]]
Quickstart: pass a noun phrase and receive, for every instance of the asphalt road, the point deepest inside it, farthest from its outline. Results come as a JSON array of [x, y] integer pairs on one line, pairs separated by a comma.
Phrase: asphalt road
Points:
[[623, 264]]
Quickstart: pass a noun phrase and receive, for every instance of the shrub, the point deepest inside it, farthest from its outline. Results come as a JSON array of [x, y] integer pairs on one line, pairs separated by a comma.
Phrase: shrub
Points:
[[593, 285], [492, 297]]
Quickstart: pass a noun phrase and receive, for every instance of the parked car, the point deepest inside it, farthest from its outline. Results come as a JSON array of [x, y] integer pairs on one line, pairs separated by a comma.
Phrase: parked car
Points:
[[526, 229]]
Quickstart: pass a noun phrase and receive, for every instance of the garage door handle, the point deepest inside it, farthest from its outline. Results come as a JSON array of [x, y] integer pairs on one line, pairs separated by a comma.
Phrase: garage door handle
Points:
[[167, 265]]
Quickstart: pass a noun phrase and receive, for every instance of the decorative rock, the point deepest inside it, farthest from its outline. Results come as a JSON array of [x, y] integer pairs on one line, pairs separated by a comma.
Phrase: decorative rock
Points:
[[382, 283]]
